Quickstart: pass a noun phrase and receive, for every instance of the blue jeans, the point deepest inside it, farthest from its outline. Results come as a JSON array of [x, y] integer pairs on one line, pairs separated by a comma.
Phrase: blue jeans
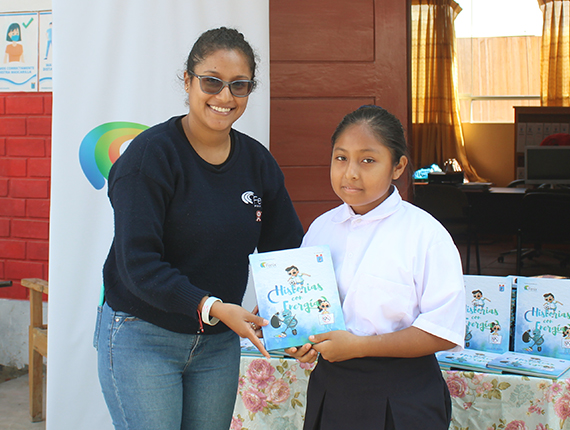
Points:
[[156, 379]]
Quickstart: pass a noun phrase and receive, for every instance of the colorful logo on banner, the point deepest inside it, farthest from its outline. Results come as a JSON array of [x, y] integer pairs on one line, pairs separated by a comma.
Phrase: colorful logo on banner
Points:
[[101, 147]]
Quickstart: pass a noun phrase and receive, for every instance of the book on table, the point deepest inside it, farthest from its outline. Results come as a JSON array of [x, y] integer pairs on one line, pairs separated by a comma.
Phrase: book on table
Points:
[[488, 313], [297, 293], [543, 317], [468, 359], [530, 365]]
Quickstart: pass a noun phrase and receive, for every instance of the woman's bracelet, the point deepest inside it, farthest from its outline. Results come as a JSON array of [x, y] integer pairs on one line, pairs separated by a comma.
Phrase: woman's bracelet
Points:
[[206, 311]]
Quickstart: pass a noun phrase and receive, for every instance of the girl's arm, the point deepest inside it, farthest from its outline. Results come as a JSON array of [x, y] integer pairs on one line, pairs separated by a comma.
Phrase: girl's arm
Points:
[[342, 345]]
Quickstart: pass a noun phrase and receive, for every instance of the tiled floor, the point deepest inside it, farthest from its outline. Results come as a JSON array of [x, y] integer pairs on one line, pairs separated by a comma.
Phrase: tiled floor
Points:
[[14, 393], [490, 249]]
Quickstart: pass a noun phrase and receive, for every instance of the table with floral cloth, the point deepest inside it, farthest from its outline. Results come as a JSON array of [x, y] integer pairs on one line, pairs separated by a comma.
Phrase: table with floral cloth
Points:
[[272, 395], [507, 402]]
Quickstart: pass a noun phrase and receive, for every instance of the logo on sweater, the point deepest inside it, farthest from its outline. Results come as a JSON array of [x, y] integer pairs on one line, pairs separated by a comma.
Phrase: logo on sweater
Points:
[[249, 198], [101, 147]]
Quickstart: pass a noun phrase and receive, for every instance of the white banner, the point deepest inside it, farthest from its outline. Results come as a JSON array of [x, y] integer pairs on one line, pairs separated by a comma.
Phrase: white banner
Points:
[[117, 68]]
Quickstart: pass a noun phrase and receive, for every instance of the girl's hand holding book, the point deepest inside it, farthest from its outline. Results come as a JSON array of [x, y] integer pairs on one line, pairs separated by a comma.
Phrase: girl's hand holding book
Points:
[[338, 345], [305, 353]]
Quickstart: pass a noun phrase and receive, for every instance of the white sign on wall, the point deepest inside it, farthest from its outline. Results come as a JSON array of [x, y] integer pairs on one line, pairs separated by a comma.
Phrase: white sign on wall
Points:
[[19, 36]]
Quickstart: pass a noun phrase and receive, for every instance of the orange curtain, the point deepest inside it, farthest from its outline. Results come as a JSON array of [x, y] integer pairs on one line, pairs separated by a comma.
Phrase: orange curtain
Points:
[[437, 134], [555, 53]]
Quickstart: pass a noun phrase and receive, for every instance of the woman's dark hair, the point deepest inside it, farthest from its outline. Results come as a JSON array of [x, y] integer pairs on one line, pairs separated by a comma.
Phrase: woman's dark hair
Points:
[[220, 38], [385, 126], [13, 26]]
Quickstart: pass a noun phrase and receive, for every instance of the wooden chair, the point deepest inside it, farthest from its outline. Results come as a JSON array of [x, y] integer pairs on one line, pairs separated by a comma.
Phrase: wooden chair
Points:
[[37, 345]]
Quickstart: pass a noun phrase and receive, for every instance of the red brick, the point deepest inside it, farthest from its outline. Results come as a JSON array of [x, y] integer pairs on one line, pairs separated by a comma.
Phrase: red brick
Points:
[[4, 228], [12, 167], [29, 188], [12, 126], [37, 208], [25, 147], [48, 100], [23, 269], [29, 105], [38, 251], [2, 109], [39, 126], [13, 249], [16, 291], [30, 229], [12, 207], [2, 146], [39, 167], [3, 187]]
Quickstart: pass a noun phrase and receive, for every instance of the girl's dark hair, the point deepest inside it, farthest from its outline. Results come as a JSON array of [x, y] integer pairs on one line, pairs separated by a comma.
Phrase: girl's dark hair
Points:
[[385, 126], [220, 38], [13, 26]]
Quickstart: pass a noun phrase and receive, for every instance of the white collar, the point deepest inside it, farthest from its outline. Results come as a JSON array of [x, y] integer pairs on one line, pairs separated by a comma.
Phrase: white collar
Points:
[[383, 210]]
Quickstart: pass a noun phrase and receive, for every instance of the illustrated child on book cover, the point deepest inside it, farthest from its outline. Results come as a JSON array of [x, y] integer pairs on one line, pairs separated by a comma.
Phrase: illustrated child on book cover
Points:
[[495, 336], [478, 300], [550, 303], [295, 278]]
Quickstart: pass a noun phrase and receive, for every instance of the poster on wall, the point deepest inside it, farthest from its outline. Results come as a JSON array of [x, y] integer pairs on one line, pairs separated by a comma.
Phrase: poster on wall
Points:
[[45, 51], [18, 71]]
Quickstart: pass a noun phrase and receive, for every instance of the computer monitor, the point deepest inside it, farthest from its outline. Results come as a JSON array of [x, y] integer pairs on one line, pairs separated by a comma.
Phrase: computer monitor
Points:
[[547, 165]]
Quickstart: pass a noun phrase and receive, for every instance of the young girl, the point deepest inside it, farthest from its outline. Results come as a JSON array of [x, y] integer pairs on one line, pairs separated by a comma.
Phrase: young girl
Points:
[[401, 284]]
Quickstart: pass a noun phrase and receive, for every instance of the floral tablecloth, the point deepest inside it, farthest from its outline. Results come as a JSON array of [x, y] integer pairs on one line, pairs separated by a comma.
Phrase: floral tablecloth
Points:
[[272, 395], [507, 402]]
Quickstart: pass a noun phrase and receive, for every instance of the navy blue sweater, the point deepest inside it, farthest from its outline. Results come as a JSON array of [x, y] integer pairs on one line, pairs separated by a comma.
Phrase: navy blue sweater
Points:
[[184, 228]]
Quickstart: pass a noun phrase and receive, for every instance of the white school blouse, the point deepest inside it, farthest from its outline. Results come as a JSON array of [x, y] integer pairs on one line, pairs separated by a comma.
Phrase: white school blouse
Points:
[[396, 266]]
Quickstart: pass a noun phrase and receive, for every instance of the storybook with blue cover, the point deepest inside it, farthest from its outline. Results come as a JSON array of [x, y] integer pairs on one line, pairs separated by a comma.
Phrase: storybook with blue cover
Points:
[[531, 365], [297, 293], [468, 359], [488, 313], [543, 317]]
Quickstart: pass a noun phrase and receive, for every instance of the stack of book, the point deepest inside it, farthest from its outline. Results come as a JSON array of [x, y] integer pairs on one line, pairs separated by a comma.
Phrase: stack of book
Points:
[[525, 332]]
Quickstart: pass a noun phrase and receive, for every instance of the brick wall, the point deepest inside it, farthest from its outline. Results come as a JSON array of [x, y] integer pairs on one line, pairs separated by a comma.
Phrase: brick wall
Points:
[[25, 162]]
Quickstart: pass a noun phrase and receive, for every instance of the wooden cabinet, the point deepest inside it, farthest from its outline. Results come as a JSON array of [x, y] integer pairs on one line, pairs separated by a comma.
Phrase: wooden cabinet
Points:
[[532, 125]]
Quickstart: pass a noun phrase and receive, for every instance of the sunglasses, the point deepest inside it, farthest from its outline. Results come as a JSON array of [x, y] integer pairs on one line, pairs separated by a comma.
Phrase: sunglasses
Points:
[[212, 85]]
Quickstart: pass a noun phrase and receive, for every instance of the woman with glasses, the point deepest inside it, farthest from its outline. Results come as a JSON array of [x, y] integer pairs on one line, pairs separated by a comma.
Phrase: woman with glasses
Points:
[[192, 198]]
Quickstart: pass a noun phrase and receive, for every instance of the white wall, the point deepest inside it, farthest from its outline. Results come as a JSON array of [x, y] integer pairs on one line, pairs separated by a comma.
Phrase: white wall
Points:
[[14, 323]]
